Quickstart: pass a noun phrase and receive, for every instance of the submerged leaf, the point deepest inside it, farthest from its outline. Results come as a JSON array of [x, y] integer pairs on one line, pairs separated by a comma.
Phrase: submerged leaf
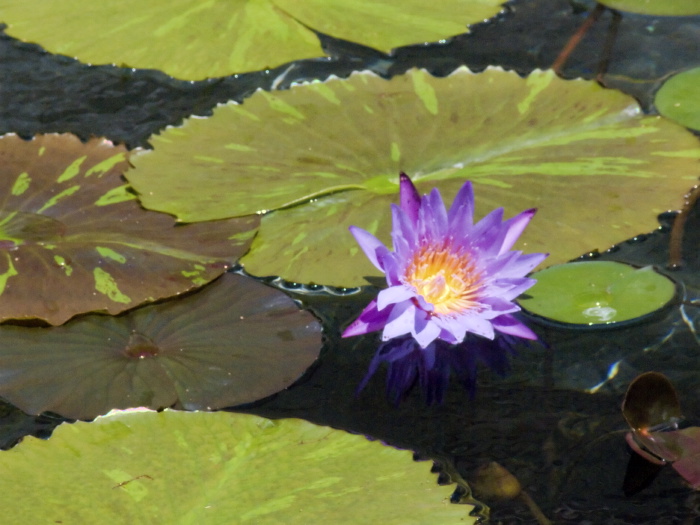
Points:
[[74, 239], [194, 39], [175, 467], [539, 142], [233, 342]]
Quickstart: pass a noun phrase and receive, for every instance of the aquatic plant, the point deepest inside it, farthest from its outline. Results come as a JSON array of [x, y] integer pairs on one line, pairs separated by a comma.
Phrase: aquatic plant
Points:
[[451, 282], [446, 275]]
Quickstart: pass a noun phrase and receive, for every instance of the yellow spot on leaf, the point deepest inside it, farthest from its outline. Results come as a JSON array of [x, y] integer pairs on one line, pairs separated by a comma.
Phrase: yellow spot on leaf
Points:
[[395, 152], [239, 147], [10, 272], [106, 165], [425, 92], [21, 184], [209, 159], [67, 268], [72, 170], [53, 200], [111, 254], [280, 105], [537, 83], [105, 284], [115, 196]]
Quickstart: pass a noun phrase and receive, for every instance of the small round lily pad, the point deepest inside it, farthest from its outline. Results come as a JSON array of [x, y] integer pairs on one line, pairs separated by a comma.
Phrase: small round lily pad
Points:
[[597, 292], [678, 98]]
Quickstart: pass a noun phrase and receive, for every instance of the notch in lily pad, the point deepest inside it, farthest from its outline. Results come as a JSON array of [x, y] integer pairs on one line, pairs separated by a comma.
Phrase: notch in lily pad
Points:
[[597, 293]]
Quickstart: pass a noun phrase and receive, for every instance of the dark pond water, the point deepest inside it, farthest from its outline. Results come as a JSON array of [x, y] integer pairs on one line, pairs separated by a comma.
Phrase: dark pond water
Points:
[[564, 443]]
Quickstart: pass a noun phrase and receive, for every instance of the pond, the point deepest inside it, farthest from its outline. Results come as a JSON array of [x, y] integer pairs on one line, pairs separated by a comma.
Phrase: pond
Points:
[[175, 238]]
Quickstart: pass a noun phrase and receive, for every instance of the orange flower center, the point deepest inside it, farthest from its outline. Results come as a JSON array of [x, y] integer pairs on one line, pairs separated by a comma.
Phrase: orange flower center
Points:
[[445, 278]]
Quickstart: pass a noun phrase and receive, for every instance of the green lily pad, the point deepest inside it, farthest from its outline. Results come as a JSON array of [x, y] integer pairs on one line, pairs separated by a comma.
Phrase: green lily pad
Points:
[[235, 341], [597, 292], [74, 239], [678, 98], [196, 39], [194, 468], [572, 149], [655, 7]]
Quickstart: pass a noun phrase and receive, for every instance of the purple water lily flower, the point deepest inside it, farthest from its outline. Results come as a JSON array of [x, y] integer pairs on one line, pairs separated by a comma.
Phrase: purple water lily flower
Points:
[[447, 277]]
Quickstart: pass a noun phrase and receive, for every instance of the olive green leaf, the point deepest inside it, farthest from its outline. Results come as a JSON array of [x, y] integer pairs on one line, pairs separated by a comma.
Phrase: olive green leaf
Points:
[[597, 169], [678, 98], [194, 468], [656, 7], [196, 39], [235, 341], [74, 239]]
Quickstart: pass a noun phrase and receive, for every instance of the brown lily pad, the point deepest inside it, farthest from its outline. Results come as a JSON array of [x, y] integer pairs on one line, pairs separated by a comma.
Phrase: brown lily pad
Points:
[[235, 341], [74, 239]]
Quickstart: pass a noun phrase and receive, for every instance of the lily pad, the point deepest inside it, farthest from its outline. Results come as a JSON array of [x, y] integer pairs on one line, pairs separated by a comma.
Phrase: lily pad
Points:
[[193, 39], [538, 142], [233, 342], [678, 98], [74, 239], [597, 292], [185, 468], [655, 7]]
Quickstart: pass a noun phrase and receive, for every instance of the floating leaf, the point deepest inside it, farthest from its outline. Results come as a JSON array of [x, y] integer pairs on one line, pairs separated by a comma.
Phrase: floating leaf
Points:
[[678, 98], [74, 239], [655, 7], [597, 292], [233, 342], [537, 142], [651, 401], [194, 39], [182, 468], [659, 432]]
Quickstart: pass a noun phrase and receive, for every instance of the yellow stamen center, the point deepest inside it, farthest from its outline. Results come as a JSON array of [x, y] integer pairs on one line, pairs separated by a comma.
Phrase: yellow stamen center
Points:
[[444, 277]]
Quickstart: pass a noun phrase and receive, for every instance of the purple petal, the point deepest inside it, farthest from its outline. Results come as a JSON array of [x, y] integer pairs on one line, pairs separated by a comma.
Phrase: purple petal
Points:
[[403, 233], [515, 227], [369, 244], [498, 306], [426, 334], [393, 295], [485, 232], [477, 325], [410, 199], [460, 216], [401, 321], [521, 265], [453, 326], [432, 217], [507, 324], [392, 269], [370, 320]]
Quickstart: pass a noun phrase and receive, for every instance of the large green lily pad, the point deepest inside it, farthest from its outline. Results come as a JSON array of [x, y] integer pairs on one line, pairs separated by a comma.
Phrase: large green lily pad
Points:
[[74, 239], [235, 341], [572, 149], [196, 39], [656, 7], [195, 468]]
